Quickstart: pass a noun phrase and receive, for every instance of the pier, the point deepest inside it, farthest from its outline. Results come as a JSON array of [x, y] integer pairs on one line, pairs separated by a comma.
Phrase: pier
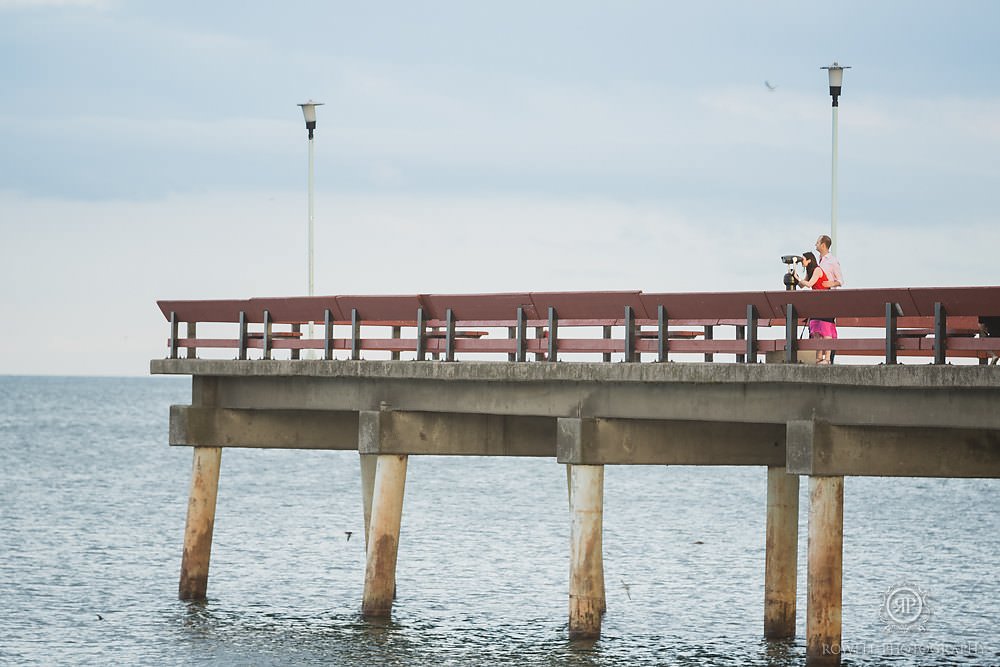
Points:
[[597, 379]]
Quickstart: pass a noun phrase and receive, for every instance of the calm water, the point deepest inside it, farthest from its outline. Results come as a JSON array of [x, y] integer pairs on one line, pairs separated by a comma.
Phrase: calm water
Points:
[[92, 505]]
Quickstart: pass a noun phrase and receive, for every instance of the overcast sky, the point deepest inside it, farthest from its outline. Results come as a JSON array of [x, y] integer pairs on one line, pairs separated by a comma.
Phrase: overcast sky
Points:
[[155, 150]]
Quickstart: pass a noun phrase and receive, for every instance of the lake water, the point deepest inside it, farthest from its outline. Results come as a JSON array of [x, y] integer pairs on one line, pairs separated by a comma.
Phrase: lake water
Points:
[[92, 509]]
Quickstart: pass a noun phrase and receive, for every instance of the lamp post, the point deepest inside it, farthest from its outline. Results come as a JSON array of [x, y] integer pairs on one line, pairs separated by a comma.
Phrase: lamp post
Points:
[[309, 111], [836, 72]]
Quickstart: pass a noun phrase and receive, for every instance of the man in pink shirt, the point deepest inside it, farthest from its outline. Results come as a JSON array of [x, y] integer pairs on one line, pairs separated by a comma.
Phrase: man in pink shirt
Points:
[[829, 263], [835, 277]]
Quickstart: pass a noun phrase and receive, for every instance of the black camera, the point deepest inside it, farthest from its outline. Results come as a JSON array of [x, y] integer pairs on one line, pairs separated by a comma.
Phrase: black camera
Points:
[[790, 281]]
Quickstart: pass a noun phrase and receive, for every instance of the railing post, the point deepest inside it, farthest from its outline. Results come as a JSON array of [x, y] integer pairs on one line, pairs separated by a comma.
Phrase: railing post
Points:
[[662, 344], [553, 335], [791, 325], [709, 335], [296, 329], [522, 330], [396, 333], [355, 335], [192, 334], [741, 334], [327, 335], [891, 311], [267, 334], [243, 335], [751, 357], [173, 335], [449, 340], [606, 335], [421, 335], [511, 335], [940, 332], [629, 334]]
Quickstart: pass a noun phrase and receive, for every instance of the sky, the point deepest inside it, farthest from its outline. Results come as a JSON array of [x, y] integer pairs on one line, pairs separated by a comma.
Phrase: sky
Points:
[[154, 150]]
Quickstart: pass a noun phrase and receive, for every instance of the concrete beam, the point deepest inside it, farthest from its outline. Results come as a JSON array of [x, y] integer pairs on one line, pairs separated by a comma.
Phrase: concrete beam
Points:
[[798, 392], [599, 441], [455, 434], [819, 448], [283, 429]]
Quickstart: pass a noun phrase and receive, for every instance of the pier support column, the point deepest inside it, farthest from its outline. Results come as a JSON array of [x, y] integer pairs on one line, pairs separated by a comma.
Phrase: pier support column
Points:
[[586, 570], [383, 539], [200, 523], [569, 494], [369, 462], [781, 557], [825, 579]]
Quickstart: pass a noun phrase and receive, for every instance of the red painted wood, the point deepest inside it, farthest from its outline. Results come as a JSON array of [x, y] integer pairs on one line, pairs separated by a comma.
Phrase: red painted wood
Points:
[[588, 305], [707, 305]]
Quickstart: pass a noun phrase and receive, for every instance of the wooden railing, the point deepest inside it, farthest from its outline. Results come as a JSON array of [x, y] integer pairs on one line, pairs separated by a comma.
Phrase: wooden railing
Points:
[[928, 322]]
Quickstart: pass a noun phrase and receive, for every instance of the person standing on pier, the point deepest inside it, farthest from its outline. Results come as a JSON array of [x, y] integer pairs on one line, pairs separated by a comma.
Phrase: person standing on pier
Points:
[[816, 278], [829, 263], [834, 276]]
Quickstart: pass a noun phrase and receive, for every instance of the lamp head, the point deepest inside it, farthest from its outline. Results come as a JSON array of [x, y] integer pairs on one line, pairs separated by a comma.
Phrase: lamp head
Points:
[[309, 111], [836, 74]]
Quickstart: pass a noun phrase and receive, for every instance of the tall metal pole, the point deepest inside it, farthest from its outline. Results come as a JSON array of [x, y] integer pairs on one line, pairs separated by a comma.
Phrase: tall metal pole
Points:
[[312, 217], [833, 188], [836, 74]]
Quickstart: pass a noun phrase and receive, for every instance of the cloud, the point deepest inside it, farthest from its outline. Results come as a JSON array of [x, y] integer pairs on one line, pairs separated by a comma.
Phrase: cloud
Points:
[[45, 4]]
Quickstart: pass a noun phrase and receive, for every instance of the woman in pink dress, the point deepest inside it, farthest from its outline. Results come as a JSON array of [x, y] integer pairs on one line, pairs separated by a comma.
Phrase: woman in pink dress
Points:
[[817, 328]]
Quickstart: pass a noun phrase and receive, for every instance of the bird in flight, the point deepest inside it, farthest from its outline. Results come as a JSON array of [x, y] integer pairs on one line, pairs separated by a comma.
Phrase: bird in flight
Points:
[[348, 533], [626, 587], [769, 86]]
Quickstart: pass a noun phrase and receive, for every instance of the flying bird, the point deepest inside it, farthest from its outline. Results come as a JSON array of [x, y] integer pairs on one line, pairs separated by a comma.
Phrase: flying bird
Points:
[[769, 86], [626, 587], [348, 533]]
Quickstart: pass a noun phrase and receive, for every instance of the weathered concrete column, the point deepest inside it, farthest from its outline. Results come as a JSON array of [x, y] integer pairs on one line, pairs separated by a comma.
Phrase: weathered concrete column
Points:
[[781, 557], [825, 579], [200, 523], [369, 463], [383, 539], [586, 569], [569, 494]]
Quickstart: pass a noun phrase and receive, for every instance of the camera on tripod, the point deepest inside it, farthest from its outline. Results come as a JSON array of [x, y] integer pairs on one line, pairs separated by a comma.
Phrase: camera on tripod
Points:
[[790, 280]]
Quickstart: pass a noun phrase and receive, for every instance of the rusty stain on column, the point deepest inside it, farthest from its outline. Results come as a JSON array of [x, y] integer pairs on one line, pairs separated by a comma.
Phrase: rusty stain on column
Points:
[[200, 523], [586, 578], [383, 540], [781, 555], [825, 579]]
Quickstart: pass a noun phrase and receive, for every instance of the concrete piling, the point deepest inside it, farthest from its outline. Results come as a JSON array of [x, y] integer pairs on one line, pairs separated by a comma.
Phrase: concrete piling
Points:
[[383, 538], [200, 523], [781, 553], [369, 463], [825, 578], [586, 579]]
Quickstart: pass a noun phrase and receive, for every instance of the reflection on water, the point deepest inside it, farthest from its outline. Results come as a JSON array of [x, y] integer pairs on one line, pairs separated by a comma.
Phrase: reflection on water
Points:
[[92, 505]]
